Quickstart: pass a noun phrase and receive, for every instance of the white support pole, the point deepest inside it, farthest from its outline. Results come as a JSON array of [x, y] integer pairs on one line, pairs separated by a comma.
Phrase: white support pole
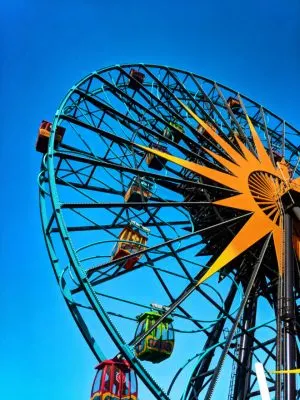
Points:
[[262, 382]]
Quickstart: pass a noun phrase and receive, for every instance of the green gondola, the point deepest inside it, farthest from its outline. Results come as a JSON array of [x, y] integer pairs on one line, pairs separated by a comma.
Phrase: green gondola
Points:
[[159, 344], [174, 132]]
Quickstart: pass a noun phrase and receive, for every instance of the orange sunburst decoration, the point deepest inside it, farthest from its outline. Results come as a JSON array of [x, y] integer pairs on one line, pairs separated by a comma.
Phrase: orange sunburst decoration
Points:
[[260, 186]]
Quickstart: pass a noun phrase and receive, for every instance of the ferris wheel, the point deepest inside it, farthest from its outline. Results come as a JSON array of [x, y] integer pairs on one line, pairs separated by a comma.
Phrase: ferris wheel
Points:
[[170, 211]]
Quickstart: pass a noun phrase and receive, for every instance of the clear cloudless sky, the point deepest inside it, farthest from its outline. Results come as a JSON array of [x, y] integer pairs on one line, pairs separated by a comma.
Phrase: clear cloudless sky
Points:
[[46, 47]]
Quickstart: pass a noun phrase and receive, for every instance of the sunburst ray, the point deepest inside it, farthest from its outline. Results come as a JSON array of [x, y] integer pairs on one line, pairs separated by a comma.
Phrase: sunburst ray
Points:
[[259, 186], [245, 238], [239, 202], [263, 156], [217, 176]]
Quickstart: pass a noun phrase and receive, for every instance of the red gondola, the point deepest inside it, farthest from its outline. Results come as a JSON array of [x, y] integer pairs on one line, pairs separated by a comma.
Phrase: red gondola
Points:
[[44, 135], [136, 79], [114, 380], [131, 240]]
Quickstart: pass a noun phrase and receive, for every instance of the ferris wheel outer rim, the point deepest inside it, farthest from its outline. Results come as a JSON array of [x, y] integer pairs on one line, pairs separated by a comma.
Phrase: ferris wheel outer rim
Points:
[[53, 192]]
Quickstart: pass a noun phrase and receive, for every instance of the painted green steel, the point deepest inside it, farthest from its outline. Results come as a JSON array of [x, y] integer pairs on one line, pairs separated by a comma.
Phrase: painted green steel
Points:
[[152, 315], [124, 349], [202, 355], [59, 273], [48, 191]]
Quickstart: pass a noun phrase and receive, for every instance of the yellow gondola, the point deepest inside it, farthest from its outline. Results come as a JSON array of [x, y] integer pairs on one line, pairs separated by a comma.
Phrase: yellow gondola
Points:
[[131, 240]]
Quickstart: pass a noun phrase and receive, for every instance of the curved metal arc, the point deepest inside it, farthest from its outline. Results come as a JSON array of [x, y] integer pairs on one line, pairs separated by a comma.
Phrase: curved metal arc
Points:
[[88, 289], [187, 292], [112, 67], [182, 119], [73, 307], [218, 85], [211, 322], [96, 280], [146, 67], [190, 318], [162, 104], [173, 314], [204, 353], [93, 269], [171, 93], [156, 204]]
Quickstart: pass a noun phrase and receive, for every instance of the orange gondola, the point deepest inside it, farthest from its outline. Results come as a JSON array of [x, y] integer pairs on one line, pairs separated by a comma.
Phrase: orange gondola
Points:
[[131, 240], [139, 192], [44, 135], [234, 104]]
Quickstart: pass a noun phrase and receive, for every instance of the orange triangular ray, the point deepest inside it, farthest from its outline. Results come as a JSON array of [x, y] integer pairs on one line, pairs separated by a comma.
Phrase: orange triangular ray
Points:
[[223, 161], [259, 191], [261, 151], [237, 157], [246, 237], [240, 202], [296, 184], [217, 176], [249, 156]]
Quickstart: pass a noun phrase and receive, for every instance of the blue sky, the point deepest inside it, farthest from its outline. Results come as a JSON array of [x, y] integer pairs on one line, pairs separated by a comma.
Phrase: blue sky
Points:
[[48, 46]]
